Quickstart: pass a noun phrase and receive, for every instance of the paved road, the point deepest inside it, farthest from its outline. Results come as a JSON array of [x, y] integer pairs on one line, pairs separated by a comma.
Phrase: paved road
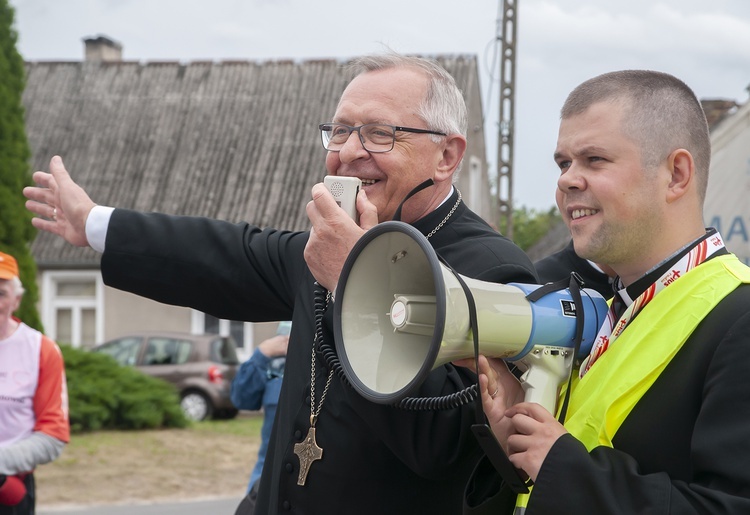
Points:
[[222, 506]]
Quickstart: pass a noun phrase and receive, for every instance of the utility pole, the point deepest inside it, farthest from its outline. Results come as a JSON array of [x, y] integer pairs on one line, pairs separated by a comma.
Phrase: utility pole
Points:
[[506, 35]]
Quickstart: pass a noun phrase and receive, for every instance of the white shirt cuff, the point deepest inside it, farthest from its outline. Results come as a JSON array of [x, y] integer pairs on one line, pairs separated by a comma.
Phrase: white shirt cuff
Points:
[[97, 224]]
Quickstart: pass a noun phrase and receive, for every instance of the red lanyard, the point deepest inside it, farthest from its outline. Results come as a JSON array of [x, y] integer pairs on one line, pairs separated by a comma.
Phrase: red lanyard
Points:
[[612, 328]]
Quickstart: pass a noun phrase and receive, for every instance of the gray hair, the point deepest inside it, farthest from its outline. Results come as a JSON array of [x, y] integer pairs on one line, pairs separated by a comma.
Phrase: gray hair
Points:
[[18, 288], [15, 286], [661, 113], [443, 108]]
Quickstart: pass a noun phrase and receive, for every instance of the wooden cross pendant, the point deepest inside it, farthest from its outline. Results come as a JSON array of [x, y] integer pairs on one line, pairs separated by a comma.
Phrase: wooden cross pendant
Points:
[[307, 451]]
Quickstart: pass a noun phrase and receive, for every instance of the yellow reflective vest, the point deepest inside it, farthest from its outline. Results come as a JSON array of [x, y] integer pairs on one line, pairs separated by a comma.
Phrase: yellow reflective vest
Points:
[[603, 399]]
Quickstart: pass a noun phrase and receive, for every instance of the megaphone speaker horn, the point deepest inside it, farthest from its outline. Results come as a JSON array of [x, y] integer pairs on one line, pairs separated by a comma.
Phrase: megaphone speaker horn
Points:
[[400, 313]]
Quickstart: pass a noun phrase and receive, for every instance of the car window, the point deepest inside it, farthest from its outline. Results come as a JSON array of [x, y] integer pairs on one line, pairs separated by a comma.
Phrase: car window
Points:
[[223, 350], [184, 348], [166, 351], [124, 350]]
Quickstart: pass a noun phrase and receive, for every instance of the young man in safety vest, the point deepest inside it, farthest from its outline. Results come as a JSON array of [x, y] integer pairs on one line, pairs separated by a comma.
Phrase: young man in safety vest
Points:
[[657, 414]]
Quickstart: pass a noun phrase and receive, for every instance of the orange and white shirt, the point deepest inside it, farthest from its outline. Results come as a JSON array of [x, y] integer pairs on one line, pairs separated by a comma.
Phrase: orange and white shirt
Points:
[[33, 390]]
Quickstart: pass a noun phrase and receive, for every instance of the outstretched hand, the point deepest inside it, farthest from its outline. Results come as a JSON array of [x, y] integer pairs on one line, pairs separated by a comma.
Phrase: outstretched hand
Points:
[[62, 205], [333, 234]]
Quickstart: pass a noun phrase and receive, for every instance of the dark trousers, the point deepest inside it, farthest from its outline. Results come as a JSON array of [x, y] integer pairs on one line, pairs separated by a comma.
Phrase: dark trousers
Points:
[[247, 505], [27, 505]]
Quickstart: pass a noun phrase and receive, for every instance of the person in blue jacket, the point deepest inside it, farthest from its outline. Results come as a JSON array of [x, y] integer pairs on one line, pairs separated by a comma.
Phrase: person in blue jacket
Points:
[[258, 384]]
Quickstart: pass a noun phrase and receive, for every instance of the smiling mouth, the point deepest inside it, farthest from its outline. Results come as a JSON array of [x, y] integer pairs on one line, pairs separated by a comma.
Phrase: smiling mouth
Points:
[[368, 182], [580, 213]]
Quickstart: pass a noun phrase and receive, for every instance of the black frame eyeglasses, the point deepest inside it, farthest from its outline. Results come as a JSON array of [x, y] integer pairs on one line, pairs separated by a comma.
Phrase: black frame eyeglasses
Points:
[[375, 137]]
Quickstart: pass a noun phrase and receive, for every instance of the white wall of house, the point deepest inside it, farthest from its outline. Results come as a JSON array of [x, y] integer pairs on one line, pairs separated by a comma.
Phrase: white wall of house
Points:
[[78, 309], [126, 312], [727, 206]]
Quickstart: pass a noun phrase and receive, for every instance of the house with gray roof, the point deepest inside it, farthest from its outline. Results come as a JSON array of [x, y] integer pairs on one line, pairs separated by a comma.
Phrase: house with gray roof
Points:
[[234, 140]]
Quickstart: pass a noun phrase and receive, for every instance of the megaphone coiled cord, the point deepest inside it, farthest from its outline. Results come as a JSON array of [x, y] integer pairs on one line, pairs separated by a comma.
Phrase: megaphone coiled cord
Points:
[[445, 402], [326, 350]]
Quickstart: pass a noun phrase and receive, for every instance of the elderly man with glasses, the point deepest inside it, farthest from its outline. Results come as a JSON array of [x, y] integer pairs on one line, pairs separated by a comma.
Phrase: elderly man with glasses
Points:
[[332, 451]]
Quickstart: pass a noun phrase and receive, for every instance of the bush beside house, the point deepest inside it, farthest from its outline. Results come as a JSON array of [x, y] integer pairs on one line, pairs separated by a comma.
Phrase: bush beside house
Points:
[[105, 395]]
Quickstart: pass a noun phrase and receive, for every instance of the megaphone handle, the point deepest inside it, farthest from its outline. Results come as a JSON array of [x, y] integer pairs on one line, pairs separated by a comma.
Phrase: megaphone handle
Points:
[[575, 284], [499, 459], [548, 368], [545, 395]]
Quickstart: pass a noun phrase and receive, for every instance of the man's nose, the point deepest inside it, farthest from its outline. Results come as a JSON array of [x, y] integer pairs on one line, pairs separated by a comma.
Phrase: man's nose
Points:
[[571, 179], [353, 148]]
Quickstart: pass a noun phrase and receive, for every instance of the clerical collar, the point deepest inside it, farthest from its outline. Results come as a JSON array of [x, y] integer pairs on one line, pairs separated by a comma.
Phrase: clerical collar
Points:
[[446, 197], [428, 222], [627, 294]]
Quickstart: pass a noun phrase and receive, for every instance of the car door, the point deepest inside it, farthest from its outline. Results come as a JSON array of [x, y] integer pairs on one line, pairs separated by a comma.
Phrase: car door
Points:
[[167, 358]]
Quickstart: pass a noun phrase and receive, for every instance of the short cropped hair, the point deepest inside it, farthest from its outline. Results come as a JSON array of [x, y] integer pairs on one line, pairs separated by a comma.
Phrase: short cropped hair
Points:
[[662, 114]]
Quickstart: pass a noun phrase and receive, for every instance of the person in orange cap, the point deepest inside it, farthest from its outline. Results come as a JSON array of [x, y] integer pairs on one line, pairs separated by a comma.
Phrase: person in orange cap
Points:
[[34, 426]]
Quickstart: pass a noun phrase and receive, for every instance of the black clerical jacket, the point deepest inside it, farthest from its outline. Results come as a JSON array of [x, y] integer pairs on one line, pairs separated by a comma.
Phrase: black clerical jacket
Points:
[[376, 459]]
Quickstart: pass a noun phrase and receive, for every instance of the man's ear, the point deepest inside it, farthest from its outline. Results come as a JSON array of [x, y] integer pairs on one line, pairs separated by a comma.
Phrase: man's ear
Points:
[[682, 168], [453, 151]]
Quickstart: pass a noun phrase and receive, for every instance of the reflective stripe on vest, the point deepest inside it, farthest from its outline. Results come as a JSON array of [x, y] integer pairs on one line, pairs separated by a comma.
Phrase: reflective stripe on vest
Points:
[[598, 406]]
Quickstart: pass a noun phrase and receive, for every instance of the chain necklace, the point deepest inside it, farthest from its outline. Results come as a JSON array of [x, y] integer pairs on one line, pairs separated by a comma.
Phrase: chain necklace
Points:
[[308, 450], [450, 213]]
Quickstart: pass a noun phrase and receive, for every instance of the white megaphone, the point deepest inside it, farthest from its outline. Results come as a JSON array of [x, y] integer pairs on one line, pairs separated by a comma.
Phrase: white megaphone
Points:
[[400, 313]]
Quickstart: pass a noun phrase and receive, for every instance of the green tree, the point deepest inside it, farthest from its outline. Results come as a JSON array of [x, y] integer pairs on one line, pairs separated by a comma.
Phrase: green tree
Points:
[[529, 225], [16, 231]]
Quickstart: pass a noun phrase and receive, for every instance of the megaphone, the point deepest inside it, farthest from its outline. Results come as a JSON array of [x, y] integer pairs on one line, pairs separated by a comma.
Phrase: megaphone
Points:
[[400, 313]]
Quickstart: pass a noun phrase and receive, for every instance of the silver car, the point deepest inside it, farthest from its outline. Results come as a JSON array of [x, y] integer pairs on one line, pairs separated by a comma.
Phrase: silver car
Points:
[[201, 366]]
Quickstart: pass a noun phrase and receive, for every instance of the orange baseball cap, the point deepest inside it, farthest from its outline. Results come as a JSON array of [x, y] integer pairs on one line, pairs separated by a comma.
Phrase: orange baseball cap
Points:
[[8, 266]]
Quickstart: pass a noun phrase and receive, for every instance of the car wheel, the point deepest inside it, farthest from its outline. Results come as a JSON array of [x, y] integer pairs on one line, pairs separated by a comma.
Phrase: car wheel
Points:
[[196, 406]]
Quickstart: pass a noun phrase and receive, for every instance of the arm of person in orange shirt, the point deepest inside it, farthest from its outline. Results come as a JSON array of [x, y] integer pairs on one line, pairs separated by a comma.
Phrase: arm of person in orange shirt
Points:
[[52, 429]]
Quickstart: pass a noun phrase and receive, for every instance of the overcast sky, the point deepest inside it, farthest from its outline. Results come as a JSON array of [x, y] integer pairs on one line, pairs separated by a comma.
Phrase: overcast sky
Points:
[[560, 44]]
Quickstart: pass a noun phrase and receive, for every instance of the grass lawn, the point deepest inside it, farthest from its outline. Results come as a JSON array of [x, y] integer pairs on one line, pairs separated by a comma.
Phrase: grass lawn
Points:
[[207, 459]]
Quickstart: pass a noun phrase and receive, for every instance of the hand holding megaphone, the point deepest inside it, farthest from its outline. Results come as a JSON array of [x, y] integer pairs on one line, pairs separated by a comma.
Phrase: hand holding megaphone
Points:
[[333, 232], [500, 390], [507, 415]]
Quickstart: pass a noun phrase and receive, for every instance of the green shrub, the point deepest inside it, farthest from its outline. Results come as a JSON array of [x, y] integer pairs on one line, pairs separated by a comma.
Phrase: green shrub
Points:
[[105, 395], [529, 225]]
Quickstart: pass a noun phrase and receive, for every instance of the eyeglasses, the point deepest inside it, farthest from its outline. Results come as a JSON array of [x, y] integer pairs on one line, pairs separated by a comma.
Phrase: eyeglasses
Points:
[[375, 137]]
